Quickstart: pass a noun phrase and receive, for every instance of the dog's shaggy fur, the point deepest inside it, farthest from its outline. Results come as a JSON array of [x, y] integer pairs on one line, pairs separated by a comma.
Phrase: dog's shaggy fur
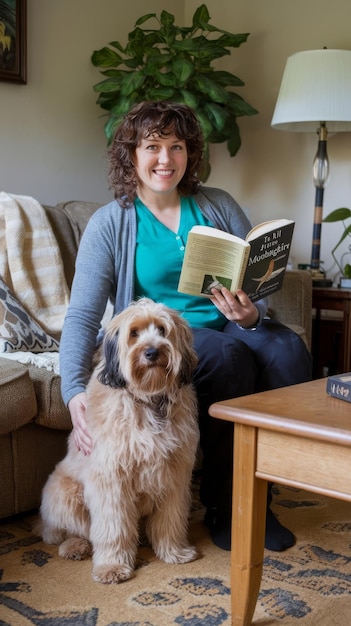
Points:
[[141, 413]]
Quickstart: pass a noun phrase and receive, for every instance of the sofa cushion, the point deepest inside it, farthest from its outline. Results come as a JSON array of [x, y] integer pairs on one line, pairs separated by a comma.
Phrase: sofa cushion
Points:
[[52, 411], [17, 396], [18, 330]]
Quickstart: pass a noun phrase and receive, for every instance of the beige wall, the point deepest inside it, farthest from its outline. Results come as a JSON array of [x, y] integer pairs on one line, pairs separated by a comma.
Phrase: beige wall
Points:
[[52, 141]]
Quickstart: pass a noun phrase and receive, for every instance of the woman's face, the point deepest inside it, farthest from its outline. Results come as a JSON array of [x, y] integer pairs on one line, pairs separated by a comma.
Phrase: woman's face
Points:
[[160, 163]]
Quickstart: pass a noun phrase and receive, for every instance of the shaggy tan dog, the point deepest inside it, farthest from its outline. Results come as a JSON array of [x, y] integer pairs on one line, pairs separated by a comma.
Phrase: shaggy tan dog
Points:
[[142, 415]]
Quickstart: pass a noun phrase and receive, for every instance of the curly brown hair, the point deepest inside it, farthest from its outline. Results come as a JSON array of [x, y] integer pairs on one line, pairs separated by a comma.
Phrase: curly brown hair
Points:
[[147, 118]]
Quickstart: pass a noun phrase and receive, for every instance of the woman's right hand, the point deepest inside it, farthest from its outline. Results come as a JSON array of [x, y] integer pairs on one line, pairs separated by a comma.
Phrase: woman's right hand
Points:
[[77, 408]]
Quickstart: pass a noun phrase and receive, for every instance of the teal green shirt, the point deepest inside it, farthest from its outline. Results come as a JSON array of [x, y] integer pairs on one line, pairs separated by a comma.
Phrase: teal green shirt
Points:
[[158, 261]]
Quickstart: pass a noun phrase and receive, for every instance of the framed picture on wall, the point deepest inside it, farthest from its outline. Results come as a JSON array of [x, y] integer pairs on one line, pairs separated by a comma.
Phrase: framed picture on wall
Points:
[[13, 41]]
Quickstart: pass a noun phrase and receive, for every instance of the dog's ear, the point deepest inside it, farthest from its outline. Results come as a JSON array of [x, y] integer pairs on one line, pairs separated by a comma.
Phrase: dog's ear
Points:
[[187, 368], [189, 357], [110, 374]]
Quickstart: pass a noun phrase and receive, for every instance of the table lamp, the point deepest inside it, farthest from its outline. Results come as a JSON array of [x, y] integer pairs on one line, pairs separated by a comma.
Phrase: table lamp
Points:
[[315, 96]]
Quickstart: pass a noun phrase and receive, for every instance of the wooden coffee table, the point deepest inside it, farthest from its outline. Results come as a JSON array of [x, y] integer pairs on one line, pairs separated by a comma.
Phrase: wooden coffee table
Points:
[[297, 436]]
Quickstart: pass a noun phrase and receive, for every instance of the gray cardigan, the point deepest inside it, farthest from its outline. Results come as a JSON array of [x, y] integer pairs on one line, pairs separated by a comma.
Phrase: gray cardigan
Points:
[[105, 270]]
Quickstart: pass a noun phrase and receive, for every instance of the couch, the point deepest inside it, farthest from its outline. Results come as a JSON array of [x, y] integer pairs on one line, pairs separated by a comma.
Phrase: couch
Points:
[[34, 423]]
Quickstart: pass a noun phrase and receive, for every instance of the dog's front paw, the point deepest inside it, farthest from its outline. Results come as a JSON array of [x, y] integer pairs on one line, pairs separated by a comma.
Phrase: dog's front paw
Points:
[[75, 548], [112, 574], [180, 555]]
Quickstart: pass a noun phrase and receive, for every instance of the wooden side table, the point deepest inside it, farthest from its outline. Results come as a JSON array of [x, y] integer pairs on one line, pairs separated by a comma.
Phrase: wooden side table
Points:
[[333, 299], [297, 436]]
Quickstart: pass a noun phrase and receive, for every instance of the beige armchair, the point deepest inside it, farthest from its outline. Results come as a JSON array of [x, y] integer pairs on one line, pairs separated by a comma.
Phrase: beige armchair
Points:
[[292, 305]]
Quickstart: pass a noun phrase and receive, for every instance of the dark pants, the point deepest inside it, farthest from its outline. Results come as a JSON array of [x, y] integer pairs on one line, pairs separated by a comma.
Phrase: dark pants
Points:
[[233, 363]]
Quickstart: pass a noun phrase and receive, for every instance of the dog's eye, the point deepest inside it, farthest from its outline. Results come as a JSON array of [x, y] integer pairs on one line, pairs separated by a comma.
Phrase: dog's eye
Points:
[[134, 332], [161, 330]]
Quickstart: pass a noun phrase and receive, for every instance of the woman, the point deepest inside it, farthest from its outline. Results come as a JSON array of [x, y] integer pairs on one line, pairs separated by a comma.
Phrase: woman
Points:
[[134, 247]]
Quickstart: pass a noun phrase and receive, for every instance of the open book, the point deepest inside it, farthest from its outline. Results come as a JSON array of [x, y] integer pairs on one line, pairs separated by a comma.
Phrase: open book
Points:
[[256, 264]]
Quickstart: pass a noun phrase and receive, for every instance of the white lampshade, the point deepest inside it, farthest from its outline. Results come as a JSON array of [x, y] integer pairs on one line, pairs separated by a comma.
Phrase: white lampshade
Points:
[[316, 87]]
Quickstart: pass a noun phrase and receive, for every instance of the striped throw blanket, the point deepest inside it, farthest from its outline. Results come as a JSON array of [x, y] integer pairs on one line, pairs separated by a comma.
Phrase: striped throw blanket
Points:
[[30, 261]]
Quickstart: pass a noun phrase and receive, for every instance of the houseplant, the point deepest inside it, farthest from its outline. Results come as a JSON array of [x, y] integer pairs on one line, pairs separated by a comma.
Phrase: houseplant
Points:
[[341, 215], [174, 63]]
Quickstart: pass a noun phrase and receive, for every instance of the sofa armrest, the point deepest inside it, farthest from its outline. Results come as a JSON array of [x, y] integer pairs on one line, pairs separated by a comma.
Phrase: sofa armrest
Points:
[[292, 305], [17, 396], [68, 221]]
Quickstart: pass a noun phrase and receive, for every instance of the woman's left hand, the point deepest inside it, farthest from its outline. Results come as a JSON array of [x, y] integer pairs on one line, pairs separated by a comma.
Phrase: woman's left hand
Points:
[[236, 307]]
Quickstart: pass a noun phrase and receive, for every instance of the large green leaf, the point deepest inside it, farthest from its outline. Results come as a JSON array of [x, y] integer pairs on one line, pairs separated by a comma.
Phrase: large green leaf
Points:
[[167, 19], [339, 215], [166, 79], [210, 88], [232, 41], [156, 63], [106, 58], [226, 79], [122, 107], [346, 233], [111, 127], [234, 141], [205, 123], [133, 63], [201, 17], [183, 69], [144, 19], [217, 114], [111, 73], [146, 42], [189, 98], [160, 93], [239, 106], [133, 82], [108, 85], [116, 44], [200, 47], [201, 21], [105, 103]]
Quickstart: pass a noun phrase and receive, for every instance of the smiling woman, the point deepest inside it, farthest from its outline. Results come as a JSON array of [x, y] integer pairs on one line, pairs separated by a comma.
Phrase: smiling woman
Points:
[[134, 247]]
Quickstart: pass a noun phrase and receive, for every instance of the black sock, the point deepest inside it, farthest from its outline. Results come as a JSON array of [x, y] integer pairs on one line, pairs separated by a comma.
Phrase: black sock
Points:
[[277, 538]]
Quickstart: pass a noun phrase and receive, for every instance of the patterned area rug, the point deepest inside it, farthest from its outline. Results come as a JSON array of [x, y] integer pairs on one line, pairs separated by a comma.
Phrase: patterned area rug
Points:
[[308, 585]]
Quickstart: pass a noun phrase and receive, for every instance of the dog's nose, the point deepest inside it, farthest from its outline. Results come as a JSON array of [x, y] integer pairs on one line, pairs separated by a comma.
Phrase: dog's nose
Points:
[[151, 354]]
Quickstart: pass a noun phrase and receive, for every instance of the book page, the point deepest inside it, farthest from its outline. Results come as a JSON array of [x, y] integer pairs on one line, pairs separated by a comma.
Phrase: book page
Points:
[[212, 262], [209, 231], [266, 227]]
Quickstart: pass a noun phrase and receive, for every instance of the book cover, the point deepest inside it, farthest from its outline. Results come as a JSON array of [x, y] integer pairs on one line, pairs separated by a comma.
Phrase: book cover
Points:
[[268, 259], [214, 258], [339, 386]]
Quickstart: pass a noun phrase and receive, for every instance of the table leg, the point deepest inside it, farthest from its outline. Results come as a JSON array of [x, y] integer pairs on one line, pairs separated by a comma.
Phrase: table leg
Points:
[[248, 526]]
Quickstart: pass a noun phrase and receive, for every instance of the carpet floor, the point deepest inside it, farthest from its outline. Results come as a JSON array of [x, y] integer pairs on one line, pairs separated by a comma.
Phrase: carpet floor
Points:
[[308, 585]]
